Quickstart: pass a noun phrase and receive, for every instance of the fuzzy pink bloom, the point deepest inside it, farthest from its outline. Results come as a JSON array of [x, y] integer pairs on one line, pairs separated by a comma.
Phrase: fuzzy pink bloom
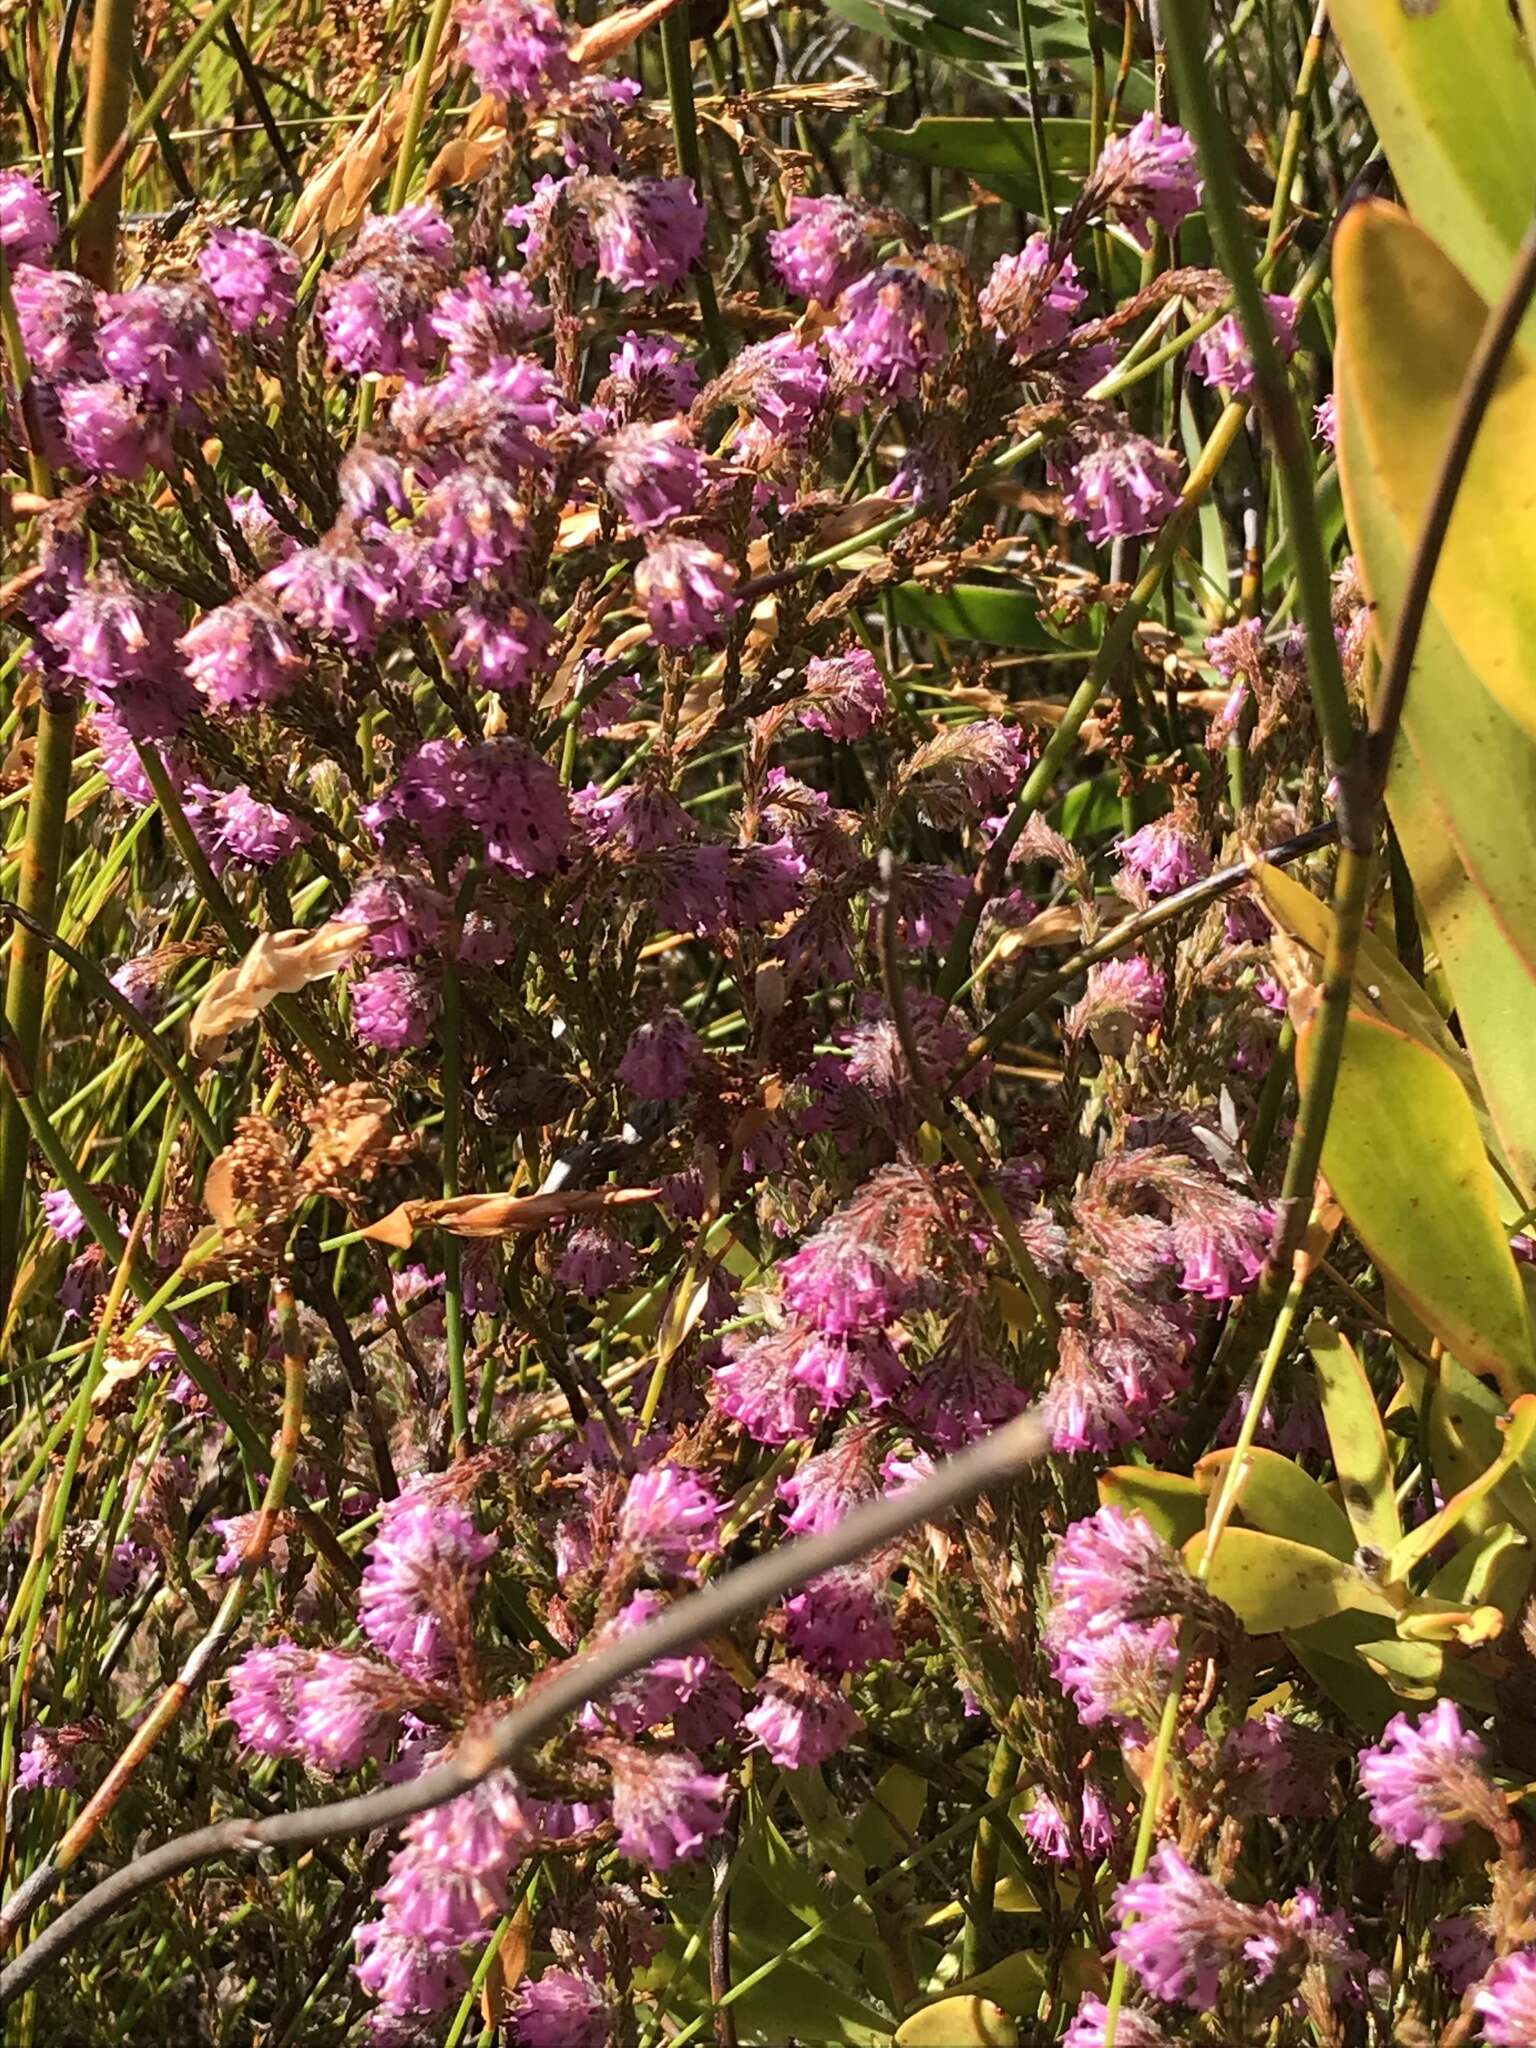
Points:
[[1506, 2001], [1424, 1781], [665, 1806], [424, 1566], [799, 1718], [668, 1517]]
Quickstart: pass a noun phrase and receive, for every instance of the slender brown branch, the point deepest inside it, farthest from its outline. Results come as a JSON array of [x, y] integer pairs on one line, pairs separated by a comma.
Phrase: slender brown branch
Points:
[[992, 1462]]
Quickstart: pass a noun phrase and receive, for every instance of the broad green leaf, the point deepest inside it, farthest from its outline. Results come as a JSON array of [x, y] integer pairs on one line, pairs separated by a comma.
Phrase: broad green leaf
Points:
[[1273, 1583], [961, 2021], [1404, 1156], [999, 154], [1331, 1651], [1519, 1434], [1017, 1982], [1463, 1417], [1275, 1495], [1410, 320], [1361, 1455], [887, 1827], [968, 31], [977, 611], [1413, 1670], [1462, 789], [1174, 1505], [1450, 91]]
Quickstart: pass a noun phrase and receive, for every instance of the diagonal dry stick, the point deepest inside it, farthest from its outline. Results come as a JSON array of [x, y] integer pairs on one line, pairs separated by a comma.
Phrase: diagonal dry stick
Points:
[[997, 1459]]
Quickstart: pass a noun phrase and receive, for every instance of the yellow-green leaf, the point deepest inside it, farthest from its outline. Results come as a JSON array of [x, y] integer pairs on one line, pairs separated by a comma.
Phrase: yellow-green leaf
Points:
[[1273, 1583], [1173, 1504], [1462, 789], [1450, 92], [1493, 1571], [1275, 1495], [963, 2022], [1519, 1434], [1361, 1455], [1405, 1158], [1382, 986]]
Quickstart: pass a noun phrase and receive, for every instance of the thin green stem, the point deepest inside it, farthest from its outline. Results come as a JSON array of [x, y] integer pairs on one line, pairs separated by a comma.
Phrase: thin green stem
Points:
[[1182, 21], [678, 61]]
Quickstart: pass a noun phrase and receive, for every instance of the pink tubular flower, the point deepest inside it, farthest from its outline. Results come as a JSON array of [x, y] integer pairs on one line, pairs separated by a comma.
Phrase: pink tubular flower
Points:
[[653, 472], [1220, 357], [841, 1286], [407, 1973], [516, 49], [1118, 487], [845, 695], [28, 228], [243, 654], [595, 1259], [1133, 2029], [159, 342], [758, 1388], [110, 431], [57, 312], [1107, 1567], [839, 1623], [1061, 1836], [254, 279], [424, 1567], [1165, 856], [1325, 421], [892, 328], [688, 591], [44, 1760], [661, 1059], [1425, 1781], [249, 830], [822, 1490], [799, 1718], [960, 1396], [825, 247], [262, 1696], [648, 379], [395, 1009], [664, 1806], [1506, 2001], [1124, 997], [669, 1517], [562, 2009], [1032, 297], [1181, 1933], [649, 232], [340, 1711], [1148, 178]]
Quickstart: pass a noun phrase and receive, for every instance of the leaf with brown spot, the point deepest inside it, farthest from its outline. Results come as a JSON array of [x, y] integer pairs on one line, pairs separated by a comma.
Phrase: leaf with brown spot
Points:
[[278, 964]]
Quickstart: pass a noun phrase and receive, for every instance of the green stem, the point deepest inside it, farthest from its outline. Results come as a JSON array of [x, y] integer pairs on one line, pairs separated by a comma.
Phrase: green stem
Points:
[[26, 986], [107, 138], [1223, 211], [416, 113], [984, 1856], [1296, 127], [99, 986], [1036, 125], [678, 62], [1216, 1525], [1115, 645]]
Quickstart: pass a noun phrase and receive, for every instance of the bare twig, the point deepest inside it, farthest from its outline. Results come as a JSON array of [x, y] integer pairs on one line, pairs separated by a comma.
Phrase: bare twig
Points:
[[992, 1462]]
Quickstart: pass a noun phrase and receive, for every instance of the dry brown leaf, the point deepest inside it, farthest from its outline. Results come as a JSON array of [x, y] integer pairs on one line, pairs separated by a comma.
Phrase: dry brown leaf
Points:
[[508, 1964], [279, 964], [493, 1215], [604, 39]]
